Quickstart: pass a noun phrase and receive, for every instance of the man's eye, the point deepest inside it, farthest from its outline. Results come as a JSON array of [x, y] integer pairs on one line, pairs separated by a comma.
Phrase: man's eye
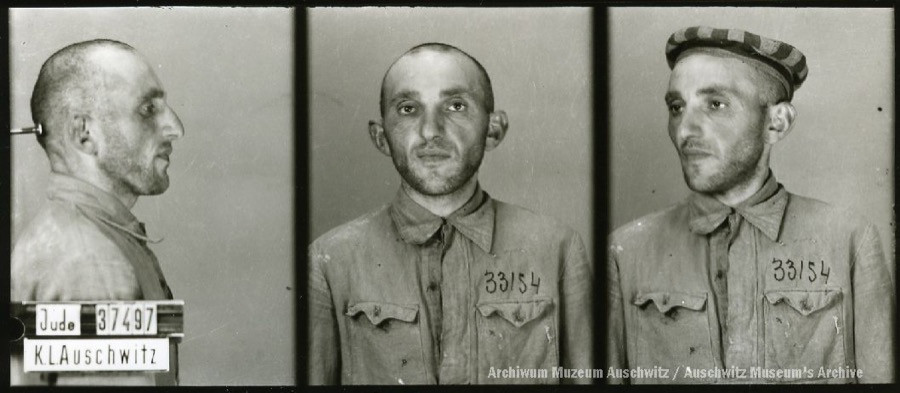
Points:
[[457, 107], [148, 109], [717, 105], [406, 109], [675, 109]]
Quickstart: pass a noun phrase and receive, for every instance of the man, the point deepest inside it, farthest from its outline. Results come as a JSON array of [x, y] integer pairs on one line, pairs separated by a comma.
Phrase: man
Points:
[[744, 282], [108, 133], [445, 285]]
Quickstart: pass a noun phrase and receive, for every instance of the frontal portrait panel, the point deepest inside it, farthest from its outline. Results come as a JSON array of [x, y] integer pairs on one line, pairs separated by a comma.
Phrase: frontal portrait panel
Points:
[[419, 238]]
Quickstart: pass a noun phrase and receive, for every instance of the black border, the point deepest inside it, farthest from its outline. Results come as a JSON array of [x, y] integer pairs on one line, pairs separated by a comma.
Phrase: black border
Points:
[[5, 188], [600, 166], [301, 192], [600, 122]]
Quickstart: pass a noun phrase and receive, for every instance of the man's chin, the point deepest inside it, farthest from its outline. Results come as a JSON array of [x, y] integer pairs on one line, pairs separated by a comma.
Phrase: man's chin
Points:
[[697, 177], [698, 183], [157, 187], [434, 189], [157, 191], [436, 186]]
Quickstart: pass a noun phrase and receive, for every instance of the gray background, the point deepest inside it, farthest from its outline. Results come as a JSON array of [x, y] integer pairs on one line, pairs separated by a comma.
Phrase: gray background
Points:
[[539, 64], [841, 148], [227, 217]]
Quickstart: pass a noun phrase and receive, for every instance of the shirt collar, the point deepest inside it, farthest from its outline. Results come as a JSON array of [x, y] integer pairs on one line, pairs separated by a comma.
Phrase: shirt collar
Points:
[[99, 203], [764, 210], [474, 220]]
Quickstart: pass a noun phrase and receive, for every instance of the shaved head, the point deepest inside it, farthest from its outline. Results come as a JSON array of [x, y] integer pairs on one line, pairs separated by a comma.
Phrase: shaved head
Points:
[[70, 81], [488, 99], [105, 119]]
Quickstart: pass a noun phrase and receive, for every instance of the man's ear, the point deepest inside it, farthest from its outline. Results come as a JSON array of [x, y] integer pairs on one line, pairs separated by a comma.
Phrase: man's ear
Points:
[[82, 134], [779, 121], [376, 133], [497, 125]]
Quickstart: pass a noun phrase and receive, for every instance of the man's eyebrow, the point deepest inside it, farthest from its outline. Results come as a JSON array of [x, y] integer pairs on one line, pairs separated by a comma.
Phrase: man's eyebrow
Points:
[[671, 95], [455, 91], [153, 93], [403, 95], [717, 89]]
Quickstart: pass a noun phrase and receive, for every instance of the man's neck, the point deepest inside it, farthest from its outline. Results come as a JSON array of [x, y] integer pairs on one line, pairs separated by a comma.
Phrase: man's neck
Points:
[[743, 191], [443, 205], [126, 197]]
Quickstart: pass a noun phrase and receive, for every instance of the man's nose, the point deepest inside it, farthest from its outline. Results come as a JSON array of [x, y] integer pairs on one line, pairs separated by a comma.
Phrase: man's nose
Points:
[[171, 125], [432, 125], [688, 126]]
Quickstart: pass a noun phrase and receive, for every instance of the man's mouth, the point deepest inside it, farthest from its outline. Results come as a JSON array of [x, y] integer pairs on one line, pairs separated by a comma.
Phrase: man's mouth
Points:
[[165, 153], [432, 155], [694, 152]]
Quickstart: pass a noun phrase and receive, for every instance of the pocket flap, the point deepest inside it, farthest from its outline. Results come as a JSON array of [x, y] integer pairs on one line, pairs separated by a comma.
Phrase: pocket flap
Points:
[[518, 312], [804, 301], [665, 301], [378, 312]]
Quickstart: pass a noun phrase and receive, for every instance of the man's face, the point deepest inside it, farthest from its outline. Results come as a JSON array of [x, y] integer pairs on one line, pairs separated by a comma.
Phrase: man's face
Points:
[[716, 122], [138, 125], [435, 120]]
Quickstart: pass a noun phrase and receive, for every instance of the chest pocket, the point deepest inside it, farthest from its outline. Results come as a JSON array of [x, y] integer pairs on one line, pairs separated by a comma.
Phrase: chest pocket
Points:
[[672, 331], [804, 328], [521, 333], [385, 343]]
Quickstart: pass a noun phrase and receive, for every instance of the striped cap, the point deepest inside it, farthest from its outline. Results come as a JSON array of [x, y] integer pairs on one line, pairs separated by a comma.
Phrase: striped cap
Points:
[[789, 62]]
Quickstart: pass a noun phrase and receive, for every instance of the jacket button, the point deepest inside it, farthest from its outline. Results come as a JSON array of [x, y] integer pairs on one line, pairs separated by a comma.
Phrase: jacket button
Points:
[[376, 311]]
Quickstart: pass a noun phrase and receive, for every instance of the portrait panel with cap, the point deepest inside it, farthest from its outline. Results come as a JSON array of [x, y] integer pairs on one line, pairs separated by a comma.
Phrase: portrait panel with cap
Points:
[[742, 277], [728, 103]]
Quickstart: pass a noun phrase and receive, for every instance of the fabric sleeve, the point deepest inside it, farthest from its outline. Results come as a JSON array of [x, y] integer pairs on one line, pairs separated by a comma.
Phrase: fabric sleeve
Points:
[[324, 348], [615, 325], [89, 271], [89, 278], [577, 331], [873, 306]]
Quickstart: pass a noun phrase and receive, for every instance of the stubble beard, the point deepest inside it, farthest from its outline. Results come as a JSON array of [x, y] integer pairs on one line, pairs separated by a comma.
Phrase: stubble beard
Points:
[[740, 166], [430, 183], [128, 174]]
